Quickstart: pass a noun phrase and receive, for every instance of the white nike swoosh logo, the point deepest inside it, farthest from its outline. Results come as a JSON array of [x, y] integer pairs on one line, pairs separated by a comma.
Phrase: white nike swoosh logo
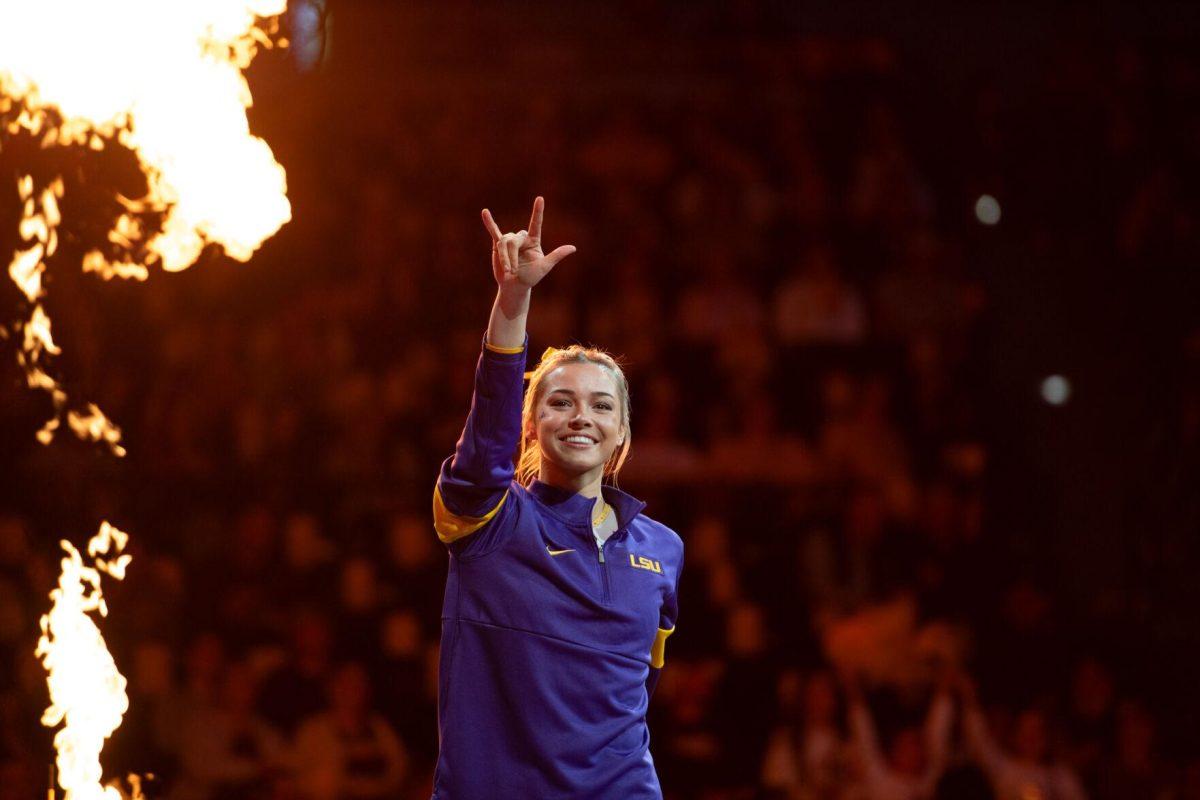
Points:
[[558, 552]]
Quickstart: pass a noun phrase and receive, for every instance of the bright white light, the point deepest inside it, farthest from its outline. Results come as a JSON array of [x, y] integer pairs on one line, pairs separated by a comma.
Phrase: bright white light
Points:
[[987, 209], [1056, 390], [87, 692], [165, 80]]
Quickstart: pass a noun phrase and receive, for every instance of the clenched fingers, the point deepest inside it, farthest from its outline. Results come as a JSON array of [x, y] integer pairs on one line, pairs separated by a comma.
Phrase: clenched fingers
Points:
[[512, 243], [503, 253]]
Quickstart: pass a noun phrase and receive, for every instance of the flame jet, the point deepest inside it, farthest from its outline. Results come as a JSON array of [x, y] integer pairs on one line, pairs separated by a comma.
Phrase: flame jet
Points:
[[164, 79], [87, 692]]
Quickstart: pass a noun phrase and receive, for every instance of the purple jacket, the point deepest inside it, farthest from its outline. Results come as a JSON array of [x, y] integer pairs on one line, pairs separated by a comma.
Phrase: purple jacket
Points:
[[551, 646]]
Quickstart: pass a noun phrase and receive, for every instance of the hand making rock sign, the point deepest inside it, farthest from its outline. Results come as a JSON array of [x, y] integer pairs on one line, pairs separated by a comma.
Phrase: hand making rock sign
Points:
[[517, 258]]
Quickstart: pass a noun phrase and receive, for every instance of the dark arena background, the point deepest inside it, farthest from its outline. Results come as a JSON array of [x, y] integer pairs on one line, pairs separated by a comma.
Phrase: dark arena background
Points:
[[908, 296]]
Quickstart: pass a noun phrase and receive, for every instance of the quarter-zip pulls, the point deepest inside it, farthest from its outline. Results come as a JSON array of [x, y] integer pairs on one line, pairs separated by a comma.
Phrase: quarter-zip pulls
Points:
[[605, 594], [601, 562], [616, 536]]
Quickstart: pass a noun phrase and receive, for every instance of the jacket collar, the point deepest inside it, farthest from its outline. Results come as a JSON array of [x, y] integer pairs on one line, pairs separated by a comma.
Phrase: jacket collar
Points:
[[575, 509]]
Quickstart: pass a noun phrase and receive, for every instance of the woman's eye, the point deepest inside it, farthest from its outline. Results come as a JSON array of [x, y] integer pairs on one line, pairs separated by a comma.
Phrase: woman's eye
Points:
[[604, 406], [558, 403]]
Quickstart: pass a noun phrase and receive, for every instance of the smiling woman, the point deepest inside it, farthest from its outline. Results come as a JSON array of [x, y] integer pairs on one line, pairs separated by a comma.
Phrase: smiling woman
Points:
[[561, 592], [575, 392]]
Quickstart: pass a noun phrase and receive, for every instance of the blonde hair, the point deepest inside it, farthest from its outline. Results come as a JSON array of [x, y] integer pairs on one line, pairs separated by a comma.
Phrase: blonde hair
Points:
[[529, 459]]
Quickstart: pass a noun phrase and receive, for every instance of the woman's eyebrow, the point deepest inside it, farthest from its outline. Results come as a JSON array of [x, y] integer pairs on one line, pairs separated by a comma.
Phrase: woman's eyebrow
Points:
[[572, 393]]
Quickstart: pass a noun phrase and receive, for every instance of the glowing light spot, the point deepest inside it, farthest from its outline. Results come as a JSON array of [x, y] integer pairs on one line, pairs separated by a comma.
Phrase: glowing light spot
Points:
[[309, 33], [1056, 390], [987, 209]]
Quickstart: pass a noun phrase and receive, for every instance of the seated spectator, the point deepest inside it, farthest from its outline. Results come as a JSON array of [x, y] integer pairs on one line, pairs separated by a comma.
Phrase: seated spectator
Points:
[[687, 745], [359, 612], [736, 454], [637, 333], [349, 751], [1137, 770], [1089, 721], [414, 571], [15, 552], [404, 696], [307, 556], [719, 304], [1027, 769], [886, 188], [859, 438], [624, 149], [920, 293], [745, 688], [915, 758], [814, 305], [141, 744], [663, 455], [249, 581], [805, 755], [744, 359], [296, 689], [227, 751], [204, 665]]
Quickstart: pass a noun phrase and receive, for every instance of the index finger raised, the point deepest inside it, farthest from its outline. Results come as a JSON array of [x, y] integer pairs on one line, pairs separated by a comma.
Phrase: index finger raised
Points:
[[490, 224]]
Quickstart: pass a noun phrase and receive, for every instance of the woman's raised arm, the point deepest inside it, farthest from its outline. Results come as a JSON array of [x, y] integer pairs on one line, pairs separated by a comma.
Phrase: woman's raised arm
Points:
[[468, 500], [518, 264]]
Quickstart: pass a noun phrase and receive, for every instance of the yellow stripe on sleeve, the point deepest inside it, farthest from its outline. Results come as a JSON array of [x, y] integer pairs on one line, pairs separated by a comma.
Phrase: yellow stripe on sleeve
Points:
[[450, 526], [658, 651], [506, 350]]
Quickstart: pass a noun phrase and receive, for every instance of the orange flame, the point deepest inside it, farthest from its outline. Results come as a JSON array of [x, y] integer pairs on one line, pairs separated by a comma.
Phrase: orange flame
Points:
[[87, 692], [166, 81]]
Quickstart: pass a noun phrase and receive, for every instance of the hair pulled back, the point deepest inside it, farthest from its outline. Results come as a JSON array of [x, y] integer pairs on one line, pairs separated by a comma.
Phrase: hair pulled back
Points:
[[529, 459]]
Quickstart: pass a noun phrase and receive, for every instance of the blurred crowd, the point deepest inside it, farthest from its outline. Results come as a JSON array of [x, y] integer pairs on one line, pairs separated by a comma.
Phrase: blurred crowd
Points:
[[802, 285]]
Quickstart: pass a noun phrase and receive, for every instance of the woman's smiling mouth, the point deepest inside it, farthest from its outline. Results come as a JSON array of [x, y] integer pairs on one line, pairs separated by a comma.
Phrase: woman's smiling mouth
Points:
[[578, 440]]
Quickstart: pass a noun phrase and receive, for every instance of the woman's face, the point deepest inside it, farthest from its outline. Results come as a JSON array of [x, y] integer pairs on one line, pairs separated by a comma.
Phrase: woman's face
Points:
[[578, 419]]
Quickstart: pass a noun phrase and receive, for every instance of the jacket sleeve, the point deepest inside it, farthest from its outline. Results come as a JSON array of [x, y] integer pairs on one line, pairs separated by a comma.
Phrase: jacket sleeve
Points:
[[474, 483], [666, 626]]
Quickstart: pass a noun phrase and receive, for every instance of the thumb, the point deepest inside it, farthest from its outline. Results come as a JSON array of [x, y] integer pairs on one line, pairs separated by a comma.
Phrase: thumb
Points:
[[558, 254]]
